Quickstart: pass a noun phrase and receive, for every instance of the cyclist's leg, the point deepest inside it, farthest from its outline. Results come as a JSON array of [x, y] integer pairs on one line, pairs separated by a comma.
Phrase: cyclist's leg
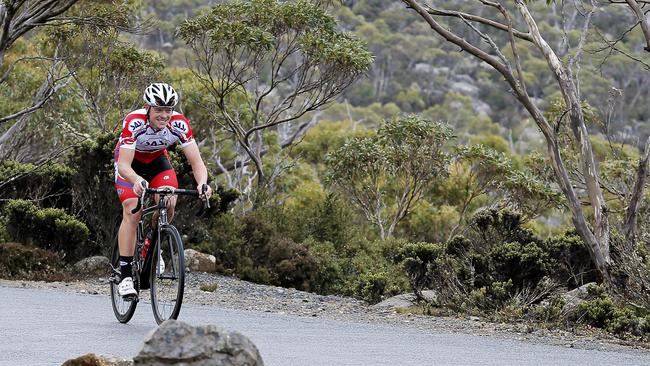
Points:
[[166, 179], [128, 226], [128, 198], [127, 233]]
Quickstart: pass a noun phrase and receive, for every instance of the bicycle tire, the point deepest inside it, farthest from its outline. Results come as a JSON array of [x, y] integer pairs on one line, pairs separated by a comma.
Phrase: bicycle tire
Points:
[[167, 286], [123, 309]]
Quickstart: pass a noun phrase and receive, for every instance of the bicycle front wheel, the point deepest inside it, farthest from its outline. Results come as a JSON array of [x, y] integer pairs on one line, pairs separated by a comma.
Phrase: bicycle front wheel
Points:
[[167, 275], [122, 308]]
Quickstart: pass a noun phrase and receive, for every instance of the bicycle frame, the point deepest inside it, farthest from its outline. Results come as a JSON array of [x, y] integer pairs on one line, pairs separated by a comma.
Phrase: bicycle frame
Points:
[[161, 207]]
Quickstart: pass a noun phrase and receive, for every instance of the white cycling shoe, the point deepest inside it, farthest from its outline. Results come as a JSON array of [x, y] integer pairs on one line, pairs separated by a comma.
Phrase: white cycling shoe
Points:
[[125, 288]]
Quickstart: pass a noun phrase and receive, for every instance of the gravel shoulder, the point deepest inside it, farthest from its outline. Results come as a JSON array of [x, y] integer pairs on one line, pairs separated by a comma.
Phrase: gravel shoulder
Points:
[[232, 293]]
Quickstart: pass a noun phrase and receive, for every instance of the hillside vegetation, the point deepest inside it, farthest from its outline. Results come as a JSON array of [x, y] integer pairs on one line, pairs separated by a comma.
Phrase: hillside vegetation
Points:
[[359, 148]]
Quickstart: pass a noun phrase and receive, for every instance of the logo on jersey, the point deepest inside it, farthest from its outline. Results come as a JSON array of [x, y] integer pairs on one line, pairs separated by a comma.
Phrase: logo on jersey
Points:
[[155, 143], [180, 125], [135, 124], [166, 177]]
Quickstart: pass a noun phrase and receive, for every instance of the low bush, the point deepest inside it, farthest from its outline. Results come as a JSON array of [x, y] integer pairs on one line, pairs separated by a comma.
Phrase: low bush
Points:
[[371, 287], [26, 262], [571, 262], [50, 228], [419, 263], [602, 311], [50, 183]]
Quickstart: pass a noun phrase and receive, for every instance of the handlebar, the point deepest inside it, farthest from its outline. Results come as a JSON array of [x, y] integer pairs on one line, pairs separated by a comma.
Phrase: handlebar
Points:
[[174, 191]]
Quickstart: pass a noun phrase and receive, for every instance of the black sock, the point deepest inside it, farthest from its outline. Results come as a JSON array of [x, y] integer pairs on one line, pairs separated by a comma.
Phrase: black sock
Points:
[[125, 266]]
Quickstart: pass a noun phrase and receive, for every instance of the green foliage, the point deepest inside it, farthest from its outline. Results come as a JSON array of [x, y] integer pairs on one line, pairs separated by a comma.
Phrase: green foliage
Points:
[[331, 220], [404, 158], [372, 286], [95, 197], [552, 311], [570, 260], [522, 189], [21, 215], [49, 228], [519, 263], [418, 260], [270, 42], [50, 183]]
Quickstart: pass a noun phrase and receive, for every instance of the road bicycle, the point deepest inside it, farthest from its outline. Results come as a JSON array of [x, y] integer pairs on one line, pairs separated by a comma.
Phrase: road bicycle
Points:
[[167, 270]]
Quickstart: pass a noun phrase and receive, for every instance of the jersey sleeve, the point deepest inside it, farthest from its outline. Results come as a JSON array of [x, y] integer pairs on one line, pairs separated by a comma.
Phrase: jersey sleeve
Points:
[[128, 137], [181, 128]]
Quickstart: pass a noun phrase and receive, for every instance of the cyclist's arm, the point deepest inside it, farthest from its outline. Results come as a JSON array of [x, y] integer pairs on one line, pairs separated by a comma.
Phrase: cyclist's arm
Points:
[[199, 170], [124, 166]]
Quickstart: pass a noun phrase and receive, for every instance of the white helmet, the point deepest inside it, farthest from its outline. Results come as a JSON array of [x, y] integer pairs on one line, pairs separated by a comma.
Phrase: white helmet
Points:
[[160, 95]]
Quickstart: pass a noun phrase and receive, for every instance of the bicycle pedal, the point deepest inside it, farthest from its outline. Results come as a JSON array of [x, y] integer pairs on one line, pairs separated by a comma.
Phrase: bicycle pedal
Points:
[[130, 298]]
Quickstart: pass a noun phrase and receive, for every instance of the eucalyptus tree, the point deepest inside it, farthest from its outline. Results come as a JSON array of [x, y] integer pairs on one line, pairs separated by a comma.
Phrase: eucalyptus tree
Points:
[[497, 18], [267, 63], [32, 47], [480, 171], [386, 175], [109, 71], [17, 18]]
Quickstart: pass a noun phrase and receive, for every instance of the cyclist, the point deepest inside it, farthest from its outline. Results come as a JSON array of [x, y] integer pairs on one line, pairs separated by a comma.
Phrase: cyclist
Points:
[[141, 160]]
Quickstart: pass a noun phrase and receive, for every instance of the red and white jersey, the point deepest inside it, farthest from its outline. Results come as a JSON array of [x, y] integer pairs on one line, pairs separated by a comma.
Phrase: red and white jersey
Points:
[[148, 143]]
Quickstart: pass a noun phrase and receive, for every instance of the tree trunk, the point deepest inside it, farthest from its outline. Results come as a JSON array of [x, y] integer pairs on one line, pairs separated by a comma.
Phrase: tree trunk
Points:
[[636, 197], [598, 240], [598, 246]]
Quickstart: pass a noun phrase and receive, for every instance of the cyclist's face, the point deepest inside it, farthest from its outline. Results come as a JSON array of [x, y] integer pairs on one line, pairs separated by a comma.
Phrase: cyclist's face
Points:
[[159, 116]]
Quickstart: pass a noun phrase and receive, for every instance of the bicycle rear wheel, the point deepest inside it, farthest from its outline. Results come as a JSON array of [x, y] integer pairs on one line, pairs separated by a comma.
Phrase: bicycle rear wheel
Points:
[[167, 275], [122, 308]]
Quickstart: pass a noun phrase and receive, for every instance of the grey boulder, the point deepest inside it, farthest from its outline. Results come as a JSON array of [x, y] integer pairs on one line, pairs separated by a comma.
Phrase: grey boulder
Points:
[[178, 343]]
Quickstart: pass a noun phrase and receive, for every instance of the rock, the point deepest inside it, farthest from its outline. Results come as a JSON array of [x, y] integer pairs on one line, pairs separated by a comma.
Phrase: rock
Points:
[[176, 342], [405, 300], [200, 262], [574, 297], [92, 359], [93, 266]]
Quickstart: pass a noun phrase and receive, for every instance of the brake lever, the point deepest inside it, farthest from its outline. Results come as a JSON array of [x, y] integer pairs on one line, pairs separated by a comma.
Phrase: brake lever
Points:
[[141, 198], [206, 203]]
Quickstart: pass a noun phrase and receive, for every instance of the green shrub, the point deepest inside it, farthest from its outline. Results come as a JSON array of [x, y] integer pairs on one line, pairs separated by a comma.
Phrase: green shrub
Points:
[[645, 326], [21, 216], [458, 246], [571, 262], [418, 260], [551, 311], [331, 220], [372, 286], [597, 312], [519, 263], [292, 264], [224, 240], [96, 202], [623, 321], [50, 228], [602, 312], [329, 278], [51, 182], [492, 226]]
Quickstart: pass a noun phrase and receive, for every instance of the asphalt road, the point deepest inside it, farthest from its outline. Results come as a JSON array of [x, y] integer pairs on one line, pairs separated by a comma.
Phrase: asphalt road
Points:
[[42, 327]]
